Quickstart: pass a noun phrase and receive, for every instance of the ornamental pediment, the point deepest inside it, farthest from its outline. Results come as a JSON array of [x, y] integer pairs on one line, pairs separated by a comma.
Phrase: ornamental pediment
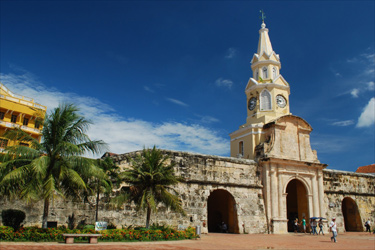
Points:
[[287, 137]]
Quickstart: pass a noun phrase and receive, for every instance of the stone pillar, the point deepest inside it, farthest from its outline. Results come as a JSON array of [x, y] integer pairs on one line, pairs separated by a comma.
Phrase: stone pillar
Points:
[[315, 194], [321, 194], [281, 198], [274, 192]]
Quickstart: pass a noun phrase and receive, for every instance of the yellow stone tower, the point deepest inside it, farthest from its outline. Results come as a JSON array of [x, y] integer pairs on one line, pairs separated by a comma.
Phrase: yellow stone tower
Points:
[[267, 94]]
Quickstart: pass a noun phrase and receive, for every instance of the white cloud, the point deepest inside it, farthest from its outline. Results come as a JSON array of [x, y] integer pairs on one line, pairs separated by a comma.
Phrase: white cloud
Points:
[[354, 93], [231, 53], [371, 86], [123, 134], [178, 102], [224, 83], [343, 123], [367, 118], [148, 89]]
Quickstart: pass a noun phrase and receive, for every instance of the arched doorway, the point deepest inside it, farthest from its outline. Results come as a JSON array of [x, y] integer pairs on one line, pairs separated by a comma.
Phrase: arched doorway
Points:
[[297, 204], [352, 219], [221, 207]]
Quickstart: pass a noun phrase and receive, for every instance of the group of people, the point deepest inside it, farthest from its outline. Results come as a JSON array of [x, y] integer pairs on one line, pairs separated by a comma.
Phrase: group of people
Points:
[[313, 225], [332, 226]]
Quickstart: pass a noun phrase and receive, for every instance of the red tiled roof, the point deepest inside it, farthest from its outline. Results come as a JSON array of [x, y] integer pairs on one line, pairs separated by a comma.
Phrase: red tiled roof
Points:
[[366, 169]]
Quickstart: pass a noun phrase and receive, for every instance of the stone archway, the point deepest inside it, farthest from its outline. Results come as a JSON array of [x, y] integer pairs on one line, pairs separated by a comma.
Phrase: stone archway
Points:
[[297, 203], [352, 218], [222, 208]]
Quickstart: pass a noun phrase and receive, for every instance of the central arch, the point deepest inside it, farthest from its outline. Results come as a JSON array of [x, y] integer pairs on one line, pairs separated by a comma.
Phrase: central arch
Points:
[[352, 219], [221, 207], [297, 204]]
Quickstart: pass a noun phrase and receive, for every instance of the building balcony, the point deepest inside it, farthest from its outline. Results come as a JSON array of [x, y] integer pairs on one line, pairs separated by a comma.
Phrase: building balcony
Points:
[[24, 128]]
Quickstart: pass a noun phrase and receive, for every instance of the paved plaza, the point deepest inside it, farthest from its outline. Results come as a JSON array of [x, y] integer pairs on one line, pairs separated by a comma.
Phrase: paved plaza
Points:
[[352, 240]]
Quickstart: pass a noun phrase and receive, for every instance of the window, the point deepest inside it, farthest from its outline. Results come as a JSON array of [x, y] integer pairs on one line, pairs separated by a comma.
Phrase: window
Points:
[[265, 73], [37, 123], [241, 148], [14, 118], [3, 143], [256, 75], [265, 100], [24, 144], [2, 114], [25, 121], [274, 72]]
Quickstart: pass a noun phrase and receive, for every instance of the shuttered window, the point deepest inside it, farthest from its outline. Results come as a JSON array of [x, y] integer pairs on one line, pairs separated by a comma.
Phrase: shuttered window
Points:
[[265, 100]]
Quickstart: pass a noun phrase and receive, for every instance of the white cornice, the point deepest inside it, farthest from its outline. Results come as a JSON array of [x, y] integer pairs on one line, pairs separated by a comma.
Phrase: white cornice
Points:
[[258, 85], [244, 135], [265, 62]]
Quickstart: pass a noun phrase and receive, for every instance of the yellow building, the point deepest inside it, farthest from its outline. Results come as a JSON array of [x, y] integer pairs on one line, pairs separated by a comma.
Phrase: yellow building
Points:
[[19, 112], [267, 94]]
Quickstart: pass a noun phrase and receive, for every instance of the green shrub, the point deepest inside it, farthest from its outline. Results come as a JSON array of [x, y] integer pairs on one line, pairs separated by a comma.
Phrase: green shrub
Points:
[[89, 227], [13, 218], [6, 233], [109, 235]]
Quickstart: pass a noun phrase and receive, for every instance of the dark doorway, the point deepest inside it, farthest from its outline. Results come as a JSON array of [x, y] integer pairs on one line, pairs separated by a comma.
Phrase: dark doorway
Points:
[[296, 203], [222, 208], [352, 219]]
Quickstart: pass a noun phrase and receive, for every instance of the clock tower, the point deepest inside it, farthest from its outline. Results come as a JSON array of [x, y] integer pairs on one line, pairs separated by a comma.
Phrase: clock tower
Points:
[[267, 98]]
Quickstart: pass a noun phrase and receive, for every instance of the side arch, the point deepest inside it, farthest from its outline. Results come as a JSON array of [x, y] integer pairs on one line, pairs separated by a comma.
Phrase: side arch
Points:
[[352, 218], [221, 207]]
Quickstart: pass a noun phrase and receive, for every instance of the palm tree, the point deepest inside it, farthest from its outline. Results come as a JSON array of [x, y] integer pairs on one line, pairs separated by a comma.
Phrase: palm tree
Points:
[[103, 184], [150, 179], [54, 167]]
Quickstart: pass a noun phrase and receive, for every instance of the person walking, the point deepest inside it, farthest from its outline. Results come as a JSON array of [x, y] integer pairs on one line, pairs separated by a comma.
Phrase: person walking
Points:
[[314, 224], [368, 226], [321, 226], [296, 225], [333, 229], [304, 224]]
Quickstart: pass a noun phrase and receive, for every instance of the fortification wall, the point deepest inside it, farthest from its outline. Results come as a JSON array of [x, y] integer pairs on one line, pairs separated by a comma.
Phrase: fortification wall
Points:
[[355, 188], [203, 174]]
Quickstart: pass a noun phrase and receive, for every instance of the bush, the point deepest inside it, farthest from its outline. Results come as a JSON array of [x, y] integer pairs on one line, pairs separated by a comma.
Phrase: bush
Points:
[[89, 227], [13, 218], [110, 235], [6, 233]]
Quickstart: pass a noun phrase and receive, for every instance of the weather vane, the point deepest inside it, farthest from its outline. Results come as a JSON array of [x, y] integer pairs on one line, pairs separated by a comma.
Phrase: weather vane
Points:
[[263, 15]]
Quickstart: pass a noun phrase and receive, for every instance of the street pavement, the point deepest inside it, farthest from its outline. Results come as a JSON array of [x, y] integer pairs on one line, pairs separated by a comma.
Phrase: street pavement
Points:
[[216, 241]]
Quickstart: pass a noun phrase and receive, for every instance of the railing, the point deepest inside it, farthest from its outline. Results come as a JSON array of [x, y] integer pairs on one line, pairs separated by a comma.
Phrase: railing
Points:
[[18, 98], [13, 125]]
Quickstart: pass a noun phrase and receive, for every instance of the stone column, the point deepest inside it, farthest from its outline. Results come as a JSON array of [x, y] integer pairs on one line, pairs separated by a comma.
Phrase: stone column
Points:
[[281, 198], [315, 195], [274, 201], [321, 194]]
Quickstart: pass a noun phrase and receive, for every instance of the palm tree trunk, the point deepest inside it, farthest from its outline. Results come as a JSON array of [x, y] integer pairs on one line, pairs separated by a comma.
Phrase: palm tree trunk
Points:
[[45, 212], [97, 201], [148, 216]]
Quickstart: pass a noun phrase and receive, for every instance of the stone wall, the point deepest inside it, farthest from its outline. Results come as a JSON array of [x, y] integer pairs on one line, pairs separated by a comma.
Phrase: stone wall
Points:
[[203, 174], [239, 179], [357, 188]]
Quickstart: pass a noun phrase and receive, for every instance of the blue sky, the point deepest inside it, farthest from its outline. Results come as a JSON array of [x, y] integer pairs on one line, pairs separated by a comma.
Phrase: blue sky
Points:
[[173, 73]]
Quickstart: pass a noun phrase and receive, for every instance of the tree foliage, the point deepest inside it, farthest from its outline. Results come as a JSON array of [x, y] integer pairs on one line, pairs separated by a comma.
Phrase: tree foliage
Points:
[[54, 167], [150, 180]]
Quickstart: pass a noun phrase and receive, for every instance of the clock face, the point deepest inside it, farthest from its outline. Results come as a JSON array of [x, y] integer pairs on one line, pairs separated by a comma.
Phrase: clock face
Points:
[[281, 101], [252, 103]]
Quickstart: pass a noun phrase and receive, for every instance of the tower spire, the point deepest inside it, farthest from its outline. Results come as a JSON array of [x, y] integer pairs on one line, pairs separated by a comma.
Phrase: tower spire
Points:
[[264, 45]]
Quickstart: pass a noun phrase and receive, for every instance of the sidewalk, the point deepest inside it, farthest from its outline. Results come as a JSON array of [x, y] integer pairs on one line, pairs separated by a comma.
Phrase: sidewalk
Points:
[[351, 240]]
